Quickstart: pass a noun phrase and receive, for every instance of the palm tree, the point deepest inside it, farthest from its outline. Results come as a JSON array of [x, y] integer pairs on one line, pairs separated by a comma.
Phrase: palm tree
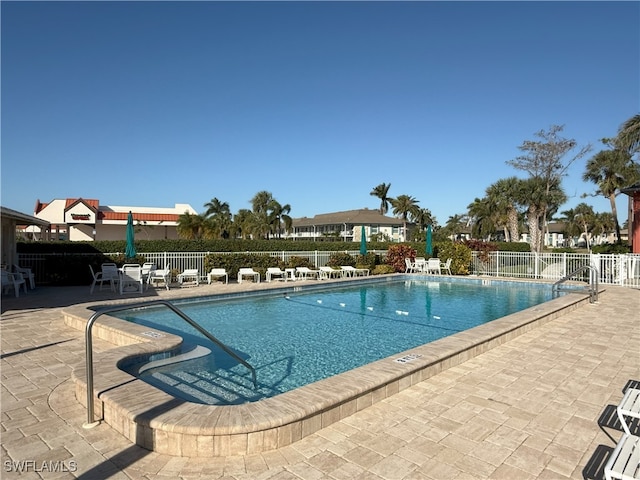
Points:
[[483, 217], [242, 223], [581, 221], [382, 191], [278, 215], [612, 170], [423, 217], [455, 225], [502, 196], [629, 135], [261, 201], [220, 215], [191, 227], [539, 197], [403, 206]]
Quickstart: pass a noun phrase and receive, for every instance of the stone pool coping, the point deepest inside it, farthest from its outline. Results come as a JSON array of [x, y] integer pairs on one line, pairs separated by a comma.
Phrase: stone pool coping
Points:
[[160, 422]]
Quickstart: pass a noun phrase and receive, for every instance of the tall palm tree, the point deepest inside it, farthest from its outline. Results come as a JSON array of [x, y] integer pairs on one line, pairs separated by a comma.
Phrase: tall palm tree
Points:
[[279, 215], [422, 218], [629, 135], [612, 170], [403, 206], [455, 225], [382, 191], [261, 201]]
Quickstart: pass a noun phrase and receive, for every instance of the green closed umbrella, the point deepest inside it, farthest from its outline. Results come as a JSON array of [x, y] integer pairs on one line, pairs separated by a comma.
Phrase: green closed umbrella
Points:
[[130, 251], [363, 242], [429, 249]]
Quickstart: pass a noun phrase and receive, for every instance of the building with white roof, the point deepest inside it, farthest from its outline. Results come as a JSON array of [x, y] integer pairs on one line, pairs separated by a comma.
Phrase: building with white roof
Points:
[[80, 219]]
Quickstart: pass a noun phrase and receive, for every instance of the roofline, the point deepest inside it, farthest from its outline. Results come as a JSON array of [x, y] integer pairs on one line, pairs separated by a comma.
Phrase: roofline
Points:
[[22, 218]]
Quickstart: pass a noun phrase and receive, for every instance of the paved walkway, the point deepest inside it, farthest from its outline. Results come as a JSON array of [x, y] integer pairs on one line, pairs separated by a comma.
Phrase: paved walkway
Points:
[[540, 406]]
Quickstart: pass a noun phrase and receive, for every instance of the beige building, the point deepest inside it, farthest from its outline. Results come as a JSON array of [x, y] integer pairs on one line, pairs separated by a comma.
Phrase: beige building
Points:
[[79, 219], [347, 226]]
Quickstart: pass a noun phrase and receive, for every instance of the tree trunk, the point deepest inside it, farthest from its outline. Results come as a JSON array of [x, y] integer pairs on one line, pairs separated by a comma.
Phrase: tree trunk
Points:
[[614, 212], [514, 233]]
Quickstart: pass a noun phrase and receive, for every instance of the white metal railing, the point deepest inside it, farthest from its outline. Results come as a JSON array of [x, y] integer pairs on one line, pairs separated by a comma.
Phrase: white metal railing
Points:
[[612, 269], [622, 269]]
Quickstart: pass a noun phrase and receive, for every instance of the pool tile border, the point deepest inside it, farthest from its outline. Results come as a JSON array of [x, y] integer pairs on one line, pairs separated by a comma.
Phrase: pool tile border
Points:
[[159, 422]]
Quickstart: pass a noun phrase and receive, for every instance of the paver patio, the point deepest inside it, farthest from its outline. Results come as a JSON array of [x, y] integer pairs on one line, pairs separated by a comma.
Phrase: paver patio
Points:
[[539, 406]]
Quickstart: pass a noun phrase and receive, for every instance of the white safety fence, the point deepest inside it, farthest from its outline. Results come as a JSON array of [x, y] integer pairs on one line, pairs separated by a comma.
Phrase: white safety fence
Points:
[[618, 269], [622, 269]]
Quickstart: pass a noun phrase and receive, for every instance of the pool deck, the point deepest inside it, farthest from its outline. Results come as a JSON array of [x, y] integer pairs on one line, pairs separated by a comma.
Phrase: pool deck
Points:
[[539, 406]]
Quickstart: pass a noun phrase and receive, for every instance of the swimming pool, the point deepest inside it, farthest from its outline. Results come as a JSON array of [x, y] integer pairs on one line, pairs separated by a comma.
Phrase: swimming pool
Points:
[[158, 421], [297, 338]]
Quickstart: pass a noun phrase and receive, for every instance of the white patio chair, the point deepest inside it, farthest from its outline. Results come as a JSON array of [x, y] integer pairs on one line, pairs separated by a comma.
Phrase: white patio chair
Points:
[[409, 266], [147, 268], [189, 274], [275, 272], [433, 266], [27, 274], [131, 277], [12, 280], [217, 273], [420, 264], [446, 266], [248, 272], [111, 273], [163, 275], [97, 278]]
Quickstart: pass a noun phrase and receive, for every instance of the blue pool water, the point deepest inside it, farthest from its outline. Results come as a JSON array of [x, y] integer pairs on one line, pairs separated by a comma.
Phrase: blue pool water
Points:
[[294, 339]]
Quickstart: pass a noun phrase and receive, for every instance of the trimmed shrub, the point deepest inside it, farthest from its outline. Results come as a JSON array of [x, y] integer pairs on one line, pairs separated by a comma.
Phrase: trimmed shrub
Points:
[[383, 269], [396, 255], [340, 258], [460, 256], [610, 248]]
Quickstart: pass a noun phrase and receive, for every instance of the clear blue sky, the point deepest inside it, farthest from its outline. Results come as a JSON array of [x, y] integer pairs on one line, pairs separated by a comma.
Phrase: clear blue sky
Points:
[[157, 103]]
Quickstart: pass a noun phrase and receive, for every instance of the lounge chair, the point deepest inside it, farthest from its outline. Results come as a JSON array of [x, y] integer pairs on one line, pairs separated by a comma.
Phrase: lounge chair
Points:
[[624, 462], [433, 266], [446, 266], [629, 406], [131, 277], [27, 274], [248, 272], [189, 274], [216, 273], [12, 280], [275, 272], [328, 272], [163, 275], [350, 271], [305, 273]]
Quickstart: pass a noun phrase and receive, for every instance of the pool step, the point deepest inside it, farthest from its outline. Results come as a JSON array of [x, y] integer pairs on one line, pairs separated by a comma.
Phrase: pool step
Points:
[[197, 352]]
